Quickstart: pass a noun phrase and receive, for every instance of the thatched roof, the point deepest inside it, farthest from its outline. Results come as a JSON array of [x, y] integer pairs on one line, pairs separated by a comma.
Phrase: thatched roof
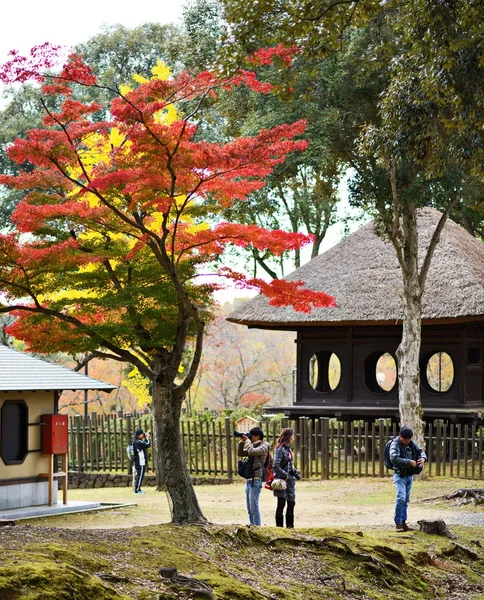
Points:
[[363, 274]]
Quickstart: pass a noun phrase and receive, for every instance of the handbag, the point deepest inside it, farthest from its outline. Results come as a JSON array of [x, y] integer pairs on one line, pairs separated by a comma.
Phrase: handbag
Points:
[[278, 484]]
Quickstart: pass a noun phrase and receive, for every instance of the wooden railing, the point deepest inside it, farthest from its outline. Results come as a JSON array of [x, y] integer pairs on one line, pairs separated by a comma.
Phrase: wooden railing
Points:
[[323, 448]]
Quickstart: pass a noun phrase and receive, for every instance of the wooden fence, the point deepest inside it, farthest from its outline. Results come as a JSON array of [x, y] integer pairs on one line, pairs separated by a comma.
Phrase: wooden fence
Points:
[[323, 448]]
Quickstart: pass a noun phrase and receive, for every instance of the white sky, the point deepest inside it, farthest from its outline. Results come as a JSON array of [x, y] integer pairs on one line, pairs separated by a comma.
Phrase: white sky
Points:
[[28, 23]]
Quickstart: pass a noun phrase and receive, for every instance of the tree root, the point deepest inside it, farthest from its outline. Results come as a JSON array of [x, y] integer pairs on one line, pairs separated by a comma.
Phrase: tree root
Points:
[[468, 496], [463, 550], [188, 583]]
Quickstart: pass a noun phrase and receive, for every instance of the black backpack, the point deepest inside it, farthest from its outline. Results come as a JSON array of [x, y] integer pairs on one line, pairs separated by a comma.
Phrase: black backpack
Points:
[[386, 454], [245, 467]]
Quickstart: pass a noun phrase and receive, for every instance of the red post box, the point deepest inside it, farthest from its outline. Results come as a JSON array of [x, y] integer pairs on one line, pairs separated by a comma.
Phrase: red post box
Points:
[[54, 434]]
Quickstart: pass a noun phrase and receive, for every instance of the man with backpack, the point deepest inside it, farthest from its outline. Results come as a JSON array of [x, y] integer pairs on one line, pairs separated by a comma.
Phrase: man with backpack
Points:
[[141, 443], [257, 450], [408, 460]]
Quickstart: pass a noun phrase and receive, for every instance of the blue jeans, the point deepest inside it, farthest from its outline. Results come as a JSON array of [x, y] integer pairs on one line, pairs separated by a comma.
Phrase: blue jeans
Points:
[[404, 486], [252, 493]]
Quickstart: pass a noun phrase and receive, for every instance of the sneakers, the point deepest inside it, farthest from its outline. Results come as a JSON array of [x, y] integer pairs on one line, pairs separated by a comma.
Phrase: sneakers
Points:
[[140, 492], [399, 527]]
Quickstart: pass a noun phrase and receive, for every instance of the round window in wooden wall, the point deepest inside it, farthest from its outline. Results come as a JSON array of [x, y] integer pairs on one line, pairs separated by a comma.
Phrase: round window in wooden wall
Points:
[[437, 372], [324, 371], [380, 372]]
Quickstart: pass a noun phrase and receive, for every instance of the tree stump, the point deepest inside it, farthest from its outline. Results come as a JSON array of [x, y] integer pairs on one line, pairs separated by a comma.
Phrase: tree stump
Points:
[[437, 527]]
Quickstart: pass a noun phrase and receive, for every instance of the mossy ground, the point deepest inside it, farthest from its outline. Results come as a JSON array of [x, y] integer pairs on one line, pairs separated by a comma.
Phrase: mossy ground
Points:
[[238, 562], [352, 553]]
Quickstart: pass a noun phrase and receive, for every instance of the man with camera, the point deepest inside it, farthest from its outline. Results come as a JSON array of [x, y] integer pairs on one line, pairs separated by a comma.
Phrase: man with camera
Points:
[[141, 443], [408, 460], [253, 446]]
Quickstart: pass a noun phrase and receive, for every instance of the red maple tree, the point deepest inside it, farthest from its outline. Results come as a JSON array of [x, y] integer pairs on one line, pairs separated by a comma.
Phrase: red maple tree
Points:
[[120, 219]]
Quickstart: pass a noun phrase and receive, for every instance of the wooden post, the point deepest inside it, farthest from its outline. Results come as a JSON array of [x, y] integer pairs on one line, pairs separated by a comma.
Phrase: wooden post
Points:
[[325, 449], [80, 446], [438, 447], [302, 446], [381, 434], [130, 436], [95, 442], [228, 445]]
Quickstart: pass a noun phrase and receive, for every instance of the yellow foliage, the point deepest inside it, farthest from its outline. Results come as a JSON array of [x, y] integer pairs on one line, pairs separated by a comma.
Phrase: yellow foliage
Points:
[[161, 71], [125, 89], [138, 385]]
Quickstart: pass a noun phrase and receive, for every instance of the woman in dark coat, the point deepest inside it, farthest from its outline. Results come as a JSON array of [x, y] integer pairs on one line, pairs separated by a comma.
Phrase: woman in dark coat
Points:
[[284, 469]]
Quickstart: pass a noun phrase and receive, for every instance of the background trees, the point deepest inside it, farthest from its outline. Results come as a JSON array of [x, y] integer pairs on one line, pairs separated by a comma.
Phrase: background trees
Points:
[[419, 136], [241, 368]]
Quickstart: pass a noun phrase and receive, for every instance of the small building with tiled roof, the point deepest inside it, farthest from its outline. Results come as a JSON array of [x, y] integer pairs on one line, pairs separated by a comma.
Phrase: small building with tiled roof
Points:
[[346, 364], [29, 391]]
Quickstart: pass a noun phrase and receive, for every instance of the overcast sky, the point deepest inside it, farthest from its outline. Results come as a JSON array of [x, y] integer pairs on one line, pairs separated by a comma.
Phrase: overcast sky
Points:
[[28, 23]]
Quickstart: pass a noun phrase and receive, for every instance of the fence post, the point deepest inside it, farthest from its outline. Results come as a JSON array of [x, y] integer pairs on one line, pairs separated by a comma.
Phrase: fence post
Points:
[[130, 436], [324, 447], [228, 444], [381, 431], [302, 447], [438, 447], [80, 445]]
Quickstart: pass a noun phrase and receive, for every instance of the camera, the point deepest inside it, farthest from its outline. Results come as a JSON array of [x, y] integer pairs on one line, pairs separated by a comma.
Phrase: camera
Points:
[[238, 434], [295, 473]]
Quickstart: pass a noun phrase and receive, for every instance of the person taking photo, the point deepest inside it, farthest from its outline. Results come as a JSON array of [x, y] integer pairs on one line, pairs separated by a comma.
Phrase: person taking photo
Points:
[[254, 446], [141, 443]]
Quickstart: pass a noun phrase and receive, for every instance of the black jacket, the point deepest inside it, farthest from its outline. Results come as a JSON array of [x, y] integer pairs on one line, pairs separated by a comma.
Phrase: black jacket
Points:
[[141, 446], [282, 463], [401, 455]]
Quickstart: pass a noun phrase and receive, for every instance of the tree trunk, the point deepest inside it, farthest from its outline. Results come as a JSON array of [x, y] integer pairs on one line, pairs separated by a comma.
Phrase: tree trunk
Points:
[[171, 466], [408, 352]]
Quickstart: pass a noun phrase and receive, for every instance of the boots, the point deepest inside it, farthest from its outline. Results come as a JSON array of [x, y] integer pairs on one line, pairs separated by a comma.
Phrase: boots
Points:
[[279, 521], [290, 521]]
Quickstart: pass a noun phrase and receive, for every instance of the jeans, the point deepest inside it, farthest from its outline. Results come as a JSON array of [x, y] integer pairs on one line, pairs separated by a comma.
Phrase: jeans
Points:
[[403, 486], [252, 493]]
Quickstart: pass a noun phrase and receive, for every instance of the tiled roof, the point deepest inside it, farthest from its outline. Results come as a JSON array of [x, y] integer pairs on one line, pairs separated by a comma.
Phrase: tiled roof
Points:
[[21, 372]]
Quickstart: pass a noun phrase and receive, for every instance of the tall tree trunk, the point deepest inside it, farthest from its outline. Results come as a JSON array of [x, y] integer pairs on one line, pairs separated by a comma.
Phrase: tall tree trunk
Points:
[[408, 352], [171, 467]]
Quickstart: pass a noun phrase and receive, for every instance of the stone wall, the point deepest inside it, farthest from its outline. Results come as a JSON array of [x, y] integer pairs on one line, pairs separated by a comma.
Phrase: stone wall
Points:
[[81, 481]]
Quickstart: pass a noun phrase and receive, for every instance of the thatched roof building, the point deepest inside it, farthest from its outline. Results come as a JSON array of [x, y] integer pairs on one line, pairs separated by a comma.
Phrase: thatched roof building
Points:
[[363, 274], [346, 355]]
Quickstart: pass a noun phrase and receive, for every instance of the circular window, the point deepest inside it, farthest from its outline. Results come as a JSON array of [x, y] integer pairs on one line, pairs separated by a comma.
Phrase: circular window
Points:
[[439, 372], [380, 372], [324, 371]]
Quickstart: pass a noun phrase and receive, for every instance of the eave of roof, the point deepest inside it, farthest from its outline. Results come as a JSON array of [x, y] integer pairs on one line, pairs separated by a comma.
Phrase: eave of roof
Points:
[[363, 274], [20, 372]]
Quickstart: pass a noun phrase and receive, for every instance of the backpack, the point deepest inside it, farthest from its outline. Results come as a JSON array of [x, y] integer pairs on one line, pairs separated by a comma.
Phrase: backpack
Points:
[[245, 466], [130, 452], [386, 454], [267, 472]]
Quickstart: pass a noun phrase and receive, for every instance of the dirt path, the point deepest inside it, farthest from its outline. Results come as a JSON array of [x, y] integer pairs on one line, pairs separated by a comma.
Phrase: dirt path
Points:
[[357, 503]]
